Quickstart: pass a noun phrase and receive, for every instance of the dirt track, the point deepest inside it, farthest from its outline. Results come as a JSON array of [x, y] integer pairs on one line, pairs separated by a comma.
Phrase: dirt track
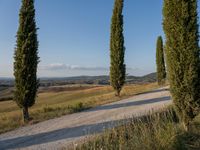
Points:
[[69, 129]]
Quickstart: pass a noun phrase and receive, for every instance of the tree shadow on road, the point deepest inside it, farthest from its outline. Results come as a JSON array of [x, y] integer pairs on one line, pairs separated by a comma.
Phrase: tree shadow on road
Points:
[[56, 135], [154, 91], [129, 104]]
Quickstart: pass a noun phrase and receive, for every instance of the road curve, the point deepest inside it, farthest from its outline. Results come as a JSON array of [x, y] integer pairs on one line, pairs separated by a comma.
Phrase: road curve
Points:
[[69, 129]]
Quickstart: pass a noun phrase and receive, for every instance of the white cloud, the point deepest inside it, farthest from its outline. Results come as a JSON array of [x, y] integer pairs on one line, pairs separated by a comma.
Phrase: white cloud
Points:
[[61, 69], [54, 66], [61, 66]]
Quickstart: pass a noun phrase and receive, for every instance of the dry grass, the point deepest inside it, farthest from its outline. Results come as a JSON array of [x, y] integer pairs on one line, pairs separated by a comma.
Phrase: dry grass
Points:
[[50, 105], [157, 131], [6, 93]]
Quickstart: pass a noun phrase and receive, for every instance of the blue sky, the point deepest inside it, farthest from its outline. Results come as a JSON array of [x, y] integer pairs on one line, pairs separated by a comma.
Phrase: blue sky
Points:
[[74, 36]]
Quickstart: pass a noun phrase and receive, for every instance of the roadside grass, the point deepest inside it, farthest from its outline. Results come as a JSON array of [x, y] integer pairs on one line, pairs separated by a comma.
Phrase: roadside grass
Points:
[[156, 131], [55, 104]]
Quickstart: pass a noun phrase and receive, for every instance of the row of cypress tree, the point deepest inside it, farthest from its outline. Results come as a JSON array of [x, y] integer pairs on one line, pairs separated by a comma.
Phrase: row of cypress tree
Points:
[[26, 55], [182, 53]]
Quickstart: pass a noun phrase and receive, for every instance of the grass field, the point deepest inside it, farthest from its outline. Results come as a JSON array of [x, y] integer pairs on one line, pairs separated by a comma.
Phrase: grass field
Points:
[[6, 93], [157, 131], [53, 104]]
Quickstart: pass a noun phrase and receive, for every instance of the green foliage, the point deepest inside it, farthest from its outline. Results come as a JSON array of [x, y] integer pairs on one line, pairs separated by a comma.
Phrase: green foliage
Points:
[[117, 49], [78, 107], [182, 51], [160, 61], [26, 58]]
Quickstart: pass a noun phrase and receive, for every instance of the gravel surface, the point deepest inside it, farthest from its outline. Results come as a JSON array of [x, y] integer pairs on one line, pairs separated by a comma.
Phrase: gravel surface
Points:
[[70, 129]]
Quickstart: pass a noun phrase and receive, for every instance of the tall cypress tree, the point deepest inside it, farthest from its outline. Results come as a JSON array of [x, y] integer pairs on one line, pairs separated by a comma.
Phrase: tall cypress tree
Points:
[[117, 49], [160, 61], [26, 59], [182, 50]]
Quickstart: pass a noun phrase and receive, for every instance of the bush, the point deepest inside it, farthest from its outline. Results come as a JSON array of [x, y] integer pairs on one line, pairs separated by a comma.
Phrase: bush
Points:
[[77, 107]]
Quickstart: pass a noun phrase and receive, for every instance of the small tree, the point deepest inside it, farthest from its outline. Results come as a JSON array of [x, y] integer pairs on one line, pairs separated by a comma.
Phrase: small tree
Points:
[[160, 61], [182, 51], [117, 49], [26, 59]]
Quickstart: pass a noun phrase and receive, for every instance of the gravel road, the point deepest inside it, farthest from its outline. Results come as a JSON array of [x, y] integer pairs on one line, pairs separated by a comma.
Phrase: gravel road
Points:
[[68, 130]]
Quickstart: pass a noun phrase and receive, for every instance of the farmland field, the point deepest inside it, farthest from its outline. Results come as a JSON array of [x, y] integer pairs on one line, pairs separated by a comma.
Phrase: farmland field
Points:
[[51, 104]]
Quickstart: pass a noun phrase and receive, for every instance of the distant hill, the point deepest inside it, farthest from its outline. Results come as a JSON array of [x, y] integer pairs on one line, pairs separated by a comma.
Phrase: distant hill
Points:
[[101, 80], [143, 79], [82, 82]]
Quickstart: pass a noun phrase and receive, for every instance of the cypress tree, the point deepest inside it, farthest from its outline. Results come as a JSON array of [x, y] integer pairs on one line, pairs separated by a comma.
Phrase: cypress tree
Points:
[[160, 61], [26, 59], [117, 49], [182, 51]]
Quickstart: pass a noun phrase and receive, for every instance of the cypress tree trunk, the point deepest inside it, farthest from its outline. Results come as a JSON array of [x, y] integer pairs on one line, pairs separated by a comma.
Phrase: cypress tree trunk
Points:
[[182, 51], [117, 49], [160, 61], [26, 59], [25, 114]]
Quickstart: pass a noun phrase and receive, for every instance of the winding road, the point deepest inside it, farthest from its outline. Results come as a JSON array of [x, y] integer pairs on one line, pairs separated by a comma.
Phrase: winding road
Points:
[[68, 130]]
